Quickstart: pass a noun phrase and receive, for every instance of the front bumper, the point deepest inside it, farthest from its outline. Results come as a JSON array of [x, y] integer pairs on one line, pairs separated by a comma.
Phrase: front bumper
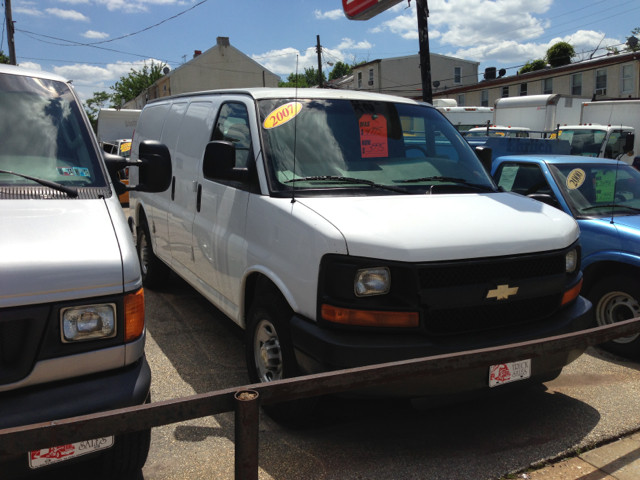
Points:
[[125, 387], [321, 349]]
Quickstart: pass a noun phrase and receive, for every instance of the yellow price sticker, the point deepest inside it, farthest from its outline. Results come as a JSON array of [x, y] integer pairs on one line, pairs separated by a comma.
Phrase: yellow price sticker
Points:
[[125, 147], [282, 115]]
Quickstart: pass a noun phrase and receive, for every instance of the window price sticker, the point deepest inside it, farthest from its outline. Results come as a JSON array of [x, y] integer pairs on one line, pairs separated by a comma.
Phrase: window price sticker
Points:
[[373, 136]]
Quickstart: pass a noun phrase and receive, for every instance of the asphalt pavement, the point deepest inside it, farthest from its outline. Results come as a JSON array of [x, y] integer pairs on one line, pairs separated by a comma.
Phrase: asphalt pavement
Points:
[[193, 348]]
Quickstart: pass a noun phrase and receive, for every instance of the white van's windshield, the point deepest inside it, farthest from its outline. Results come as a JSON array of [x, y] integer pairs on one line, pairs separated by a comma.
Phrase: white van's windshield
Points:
[[377, 147], [42, 134]]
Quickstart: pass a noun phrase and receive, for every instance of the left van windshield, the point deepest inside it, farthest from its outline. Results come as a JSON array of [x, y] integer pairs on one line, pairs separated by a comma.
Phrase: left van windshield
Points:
[[42, 134], [404, 146]]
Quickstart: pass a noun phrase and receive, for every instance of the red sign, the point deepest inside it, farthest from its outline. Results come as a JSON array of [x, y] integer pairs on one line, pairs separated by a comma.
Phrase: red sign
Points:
[[366, 9], [373, 136]]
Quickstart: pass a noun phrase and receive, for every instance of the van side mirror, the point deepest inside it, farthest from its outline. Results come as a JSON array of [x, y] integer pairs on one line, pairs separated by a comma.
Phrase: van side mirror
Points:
[[484, 154], [219, 162], [154, 162], [545, 198], [629, 142]]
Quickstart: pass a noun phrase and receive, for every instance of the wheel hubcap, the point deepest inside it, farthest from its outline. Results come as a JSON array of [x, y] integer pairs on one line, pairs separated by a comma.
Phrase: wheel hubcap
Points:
[[267, 353], [144, 254], [617, 307]]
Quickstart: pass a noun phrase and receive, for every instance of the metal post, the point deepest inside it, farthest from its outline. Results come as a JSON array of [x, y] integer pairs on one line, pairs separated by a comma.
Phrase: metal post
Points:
[[319, 49], [10, 32], [425, 58], [247, 423]]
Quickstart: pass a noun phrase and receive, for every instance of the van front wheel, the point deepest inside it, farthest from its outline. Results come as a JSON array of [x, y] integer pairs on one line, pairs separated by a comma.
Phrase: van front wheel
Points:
[[270, 356], [154, 271]]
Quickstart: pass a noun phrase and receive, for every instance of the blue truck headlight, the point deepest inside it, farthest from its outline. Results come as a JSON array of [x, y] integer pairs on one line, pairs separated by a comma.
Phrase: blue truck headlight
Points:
[[571, 261], [89, 322], [372, 281]]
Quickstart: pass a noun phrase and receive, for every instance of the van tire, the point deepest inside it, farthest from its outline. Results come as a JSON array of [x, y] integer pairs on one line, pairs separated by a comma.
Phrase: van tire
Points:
[[155, 272], [269, 316], [127, 456], [614, 299]]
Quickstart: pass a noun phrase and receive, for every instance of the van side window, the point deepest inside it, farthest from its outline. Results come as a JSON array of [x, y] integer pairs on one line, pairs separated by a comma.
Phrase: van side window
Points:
[[233, 126]]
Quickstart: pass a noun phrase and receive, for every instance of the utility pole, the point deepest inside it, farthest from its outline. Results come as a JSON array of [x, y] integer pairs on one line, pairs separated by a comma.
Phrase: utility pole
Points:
[[425, 58], [319, 50], [10, 32]]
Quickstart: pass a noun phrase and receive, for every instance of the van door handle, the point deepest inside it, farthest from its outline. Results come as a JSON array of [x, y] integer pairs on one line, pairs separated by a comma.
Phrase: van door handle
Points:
[[173, 188], [199, 198]]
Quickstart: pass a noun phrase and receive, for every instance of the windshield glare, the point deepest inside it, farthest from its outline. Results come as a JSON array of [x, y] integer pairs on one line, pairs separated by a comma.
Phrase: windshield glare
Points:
[[386, 143], [42, 134], [584, 142], [591, 189]]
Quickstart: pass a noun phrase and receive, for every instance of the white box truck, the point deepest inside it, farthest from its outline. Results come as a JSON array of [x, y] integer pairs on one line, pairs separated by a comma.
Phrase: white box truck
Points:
[[466, 118], [116, 124], [540, 113]]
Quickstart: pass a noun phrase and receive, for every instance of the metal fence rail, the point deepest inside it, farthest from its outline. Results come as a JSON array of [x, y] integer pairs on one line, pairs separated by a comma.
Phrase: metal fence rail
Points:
[[245, 400]]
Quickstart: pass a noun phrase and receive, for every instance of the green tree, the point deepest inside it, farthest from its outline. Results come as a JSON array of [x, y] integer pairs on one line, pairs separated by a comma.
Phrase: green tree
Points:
[[294, 80], [132, 85], [4, 58], [311, 75], [340, 69], [634, 33], [533, 65], [560, 54], [93, 106]]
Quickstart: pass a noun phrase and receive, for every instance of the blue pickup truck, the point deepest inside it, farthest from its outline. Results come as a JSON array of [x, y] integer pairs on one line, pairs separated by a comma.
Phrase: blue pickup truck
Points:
[[604, 198]]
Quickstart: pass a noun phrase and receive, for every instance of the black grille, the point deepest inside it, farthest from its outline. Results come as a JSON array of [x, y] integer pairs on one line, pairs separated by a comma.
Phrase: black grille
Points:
[[486, 317], [39, 193], [470, 272], [13, 337]]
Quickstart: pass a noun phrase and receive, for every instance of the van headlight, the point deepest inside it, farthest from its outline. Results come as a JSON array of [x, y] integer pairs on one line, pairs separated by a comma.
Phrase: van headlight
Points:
[[88, 322], [372, 281], [571, 261]]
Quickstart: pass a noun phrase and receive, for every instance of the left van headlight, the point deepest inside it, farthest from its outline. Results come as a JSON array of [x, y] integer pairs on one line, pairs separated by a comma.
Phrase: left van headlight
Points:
[[372, 281], [88, 322], [571, 261]]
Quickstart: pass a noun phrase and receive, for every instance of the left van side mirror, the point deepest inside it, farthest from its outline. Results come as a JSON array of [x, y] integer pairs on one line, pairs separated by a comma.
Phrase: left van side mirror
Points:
[[484, 154], [219, 162], [629, 142], [154, 163]]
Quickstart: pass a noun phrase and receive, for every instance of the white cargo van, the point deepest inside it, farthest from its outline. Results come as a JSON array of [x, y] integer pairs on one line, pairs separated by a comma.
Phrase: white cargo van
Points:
[[466, 118], [71, 300], [343, 229]]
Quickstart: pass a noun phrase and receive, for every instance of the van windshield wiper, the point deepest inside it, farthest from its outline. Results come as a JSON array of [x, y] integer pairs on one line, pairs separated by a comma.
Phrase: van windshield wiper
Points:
[[331, 178], [610, 206], [71, 191], [449, 179]]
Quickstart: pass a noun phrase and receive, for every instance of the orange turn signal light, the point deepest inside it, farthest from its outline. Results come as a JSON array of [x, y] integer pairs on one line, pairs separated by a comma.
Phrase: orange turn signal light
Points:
[[370, 318], [572, 294], [133, 315]]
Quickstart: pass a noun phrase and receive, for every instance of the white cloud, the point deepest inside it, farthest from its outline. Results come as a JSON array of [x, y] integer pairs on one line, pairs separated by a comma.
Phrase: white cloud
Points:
[[31, 65], [516, 53], [74, 2], [83, 73], [348, 44], [67, 14], [28, 11], [132, 6], [330, 15], [283, 61], [405, 25], [94, 34]]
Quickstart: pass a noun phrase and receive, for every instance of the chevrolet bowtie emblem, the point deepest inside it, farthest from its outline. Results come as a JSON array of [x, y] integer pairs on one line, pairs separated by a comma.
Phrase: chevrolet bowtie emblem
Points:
[[502, 292]]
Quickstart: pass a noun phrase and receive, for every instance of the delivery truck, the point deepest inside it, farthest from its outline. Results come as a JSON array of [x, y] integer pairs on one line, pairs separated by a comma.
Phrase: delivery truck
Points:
[[116, 124], [466, 118]]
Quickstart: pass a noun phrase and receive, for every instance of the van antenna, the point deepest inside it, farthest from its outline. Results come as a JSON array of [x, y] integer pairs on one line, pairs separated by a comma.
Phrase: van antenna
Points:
[[295, 134]]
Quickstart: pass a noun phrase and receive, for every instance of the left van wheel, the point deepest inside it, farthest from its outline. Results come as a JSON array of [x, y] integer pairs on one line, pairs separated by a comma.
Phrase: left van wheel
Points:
[[154, 271], [270, 355]]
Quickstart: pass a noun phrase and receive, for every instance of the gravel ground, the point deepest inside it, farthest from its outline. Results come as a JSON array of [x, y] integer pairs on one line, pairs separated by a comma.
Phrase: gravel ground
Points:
[[193, 348]]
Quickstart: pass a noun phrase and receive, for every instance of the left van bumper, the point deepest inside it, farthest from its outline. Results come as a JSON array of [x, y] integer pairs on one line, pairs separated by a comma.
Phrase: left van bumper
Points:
[[321, 350]]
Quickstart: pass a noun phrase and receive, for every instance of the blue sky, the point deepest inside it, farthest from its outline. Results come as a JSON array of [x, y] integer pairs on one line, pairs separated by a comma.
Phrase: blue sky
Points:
[[501, 33]]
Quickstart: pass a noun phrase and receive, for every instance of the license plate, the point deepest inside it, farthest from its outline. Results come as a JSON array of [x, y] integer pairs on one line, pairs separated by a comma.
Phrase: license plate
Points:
[[49, 456], [509, 372]]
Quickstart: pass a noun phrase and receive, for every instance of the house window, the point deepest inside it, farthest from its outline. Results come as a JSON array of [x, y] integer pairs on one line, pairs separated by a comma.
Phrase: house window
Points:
[[505, 92], [523, 89], [547, 86], [461, 99], [359, 80], [485, 98], [164, 87], [371, 76], [576, 84], [627, 79], [457, 75], [601, 81]]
